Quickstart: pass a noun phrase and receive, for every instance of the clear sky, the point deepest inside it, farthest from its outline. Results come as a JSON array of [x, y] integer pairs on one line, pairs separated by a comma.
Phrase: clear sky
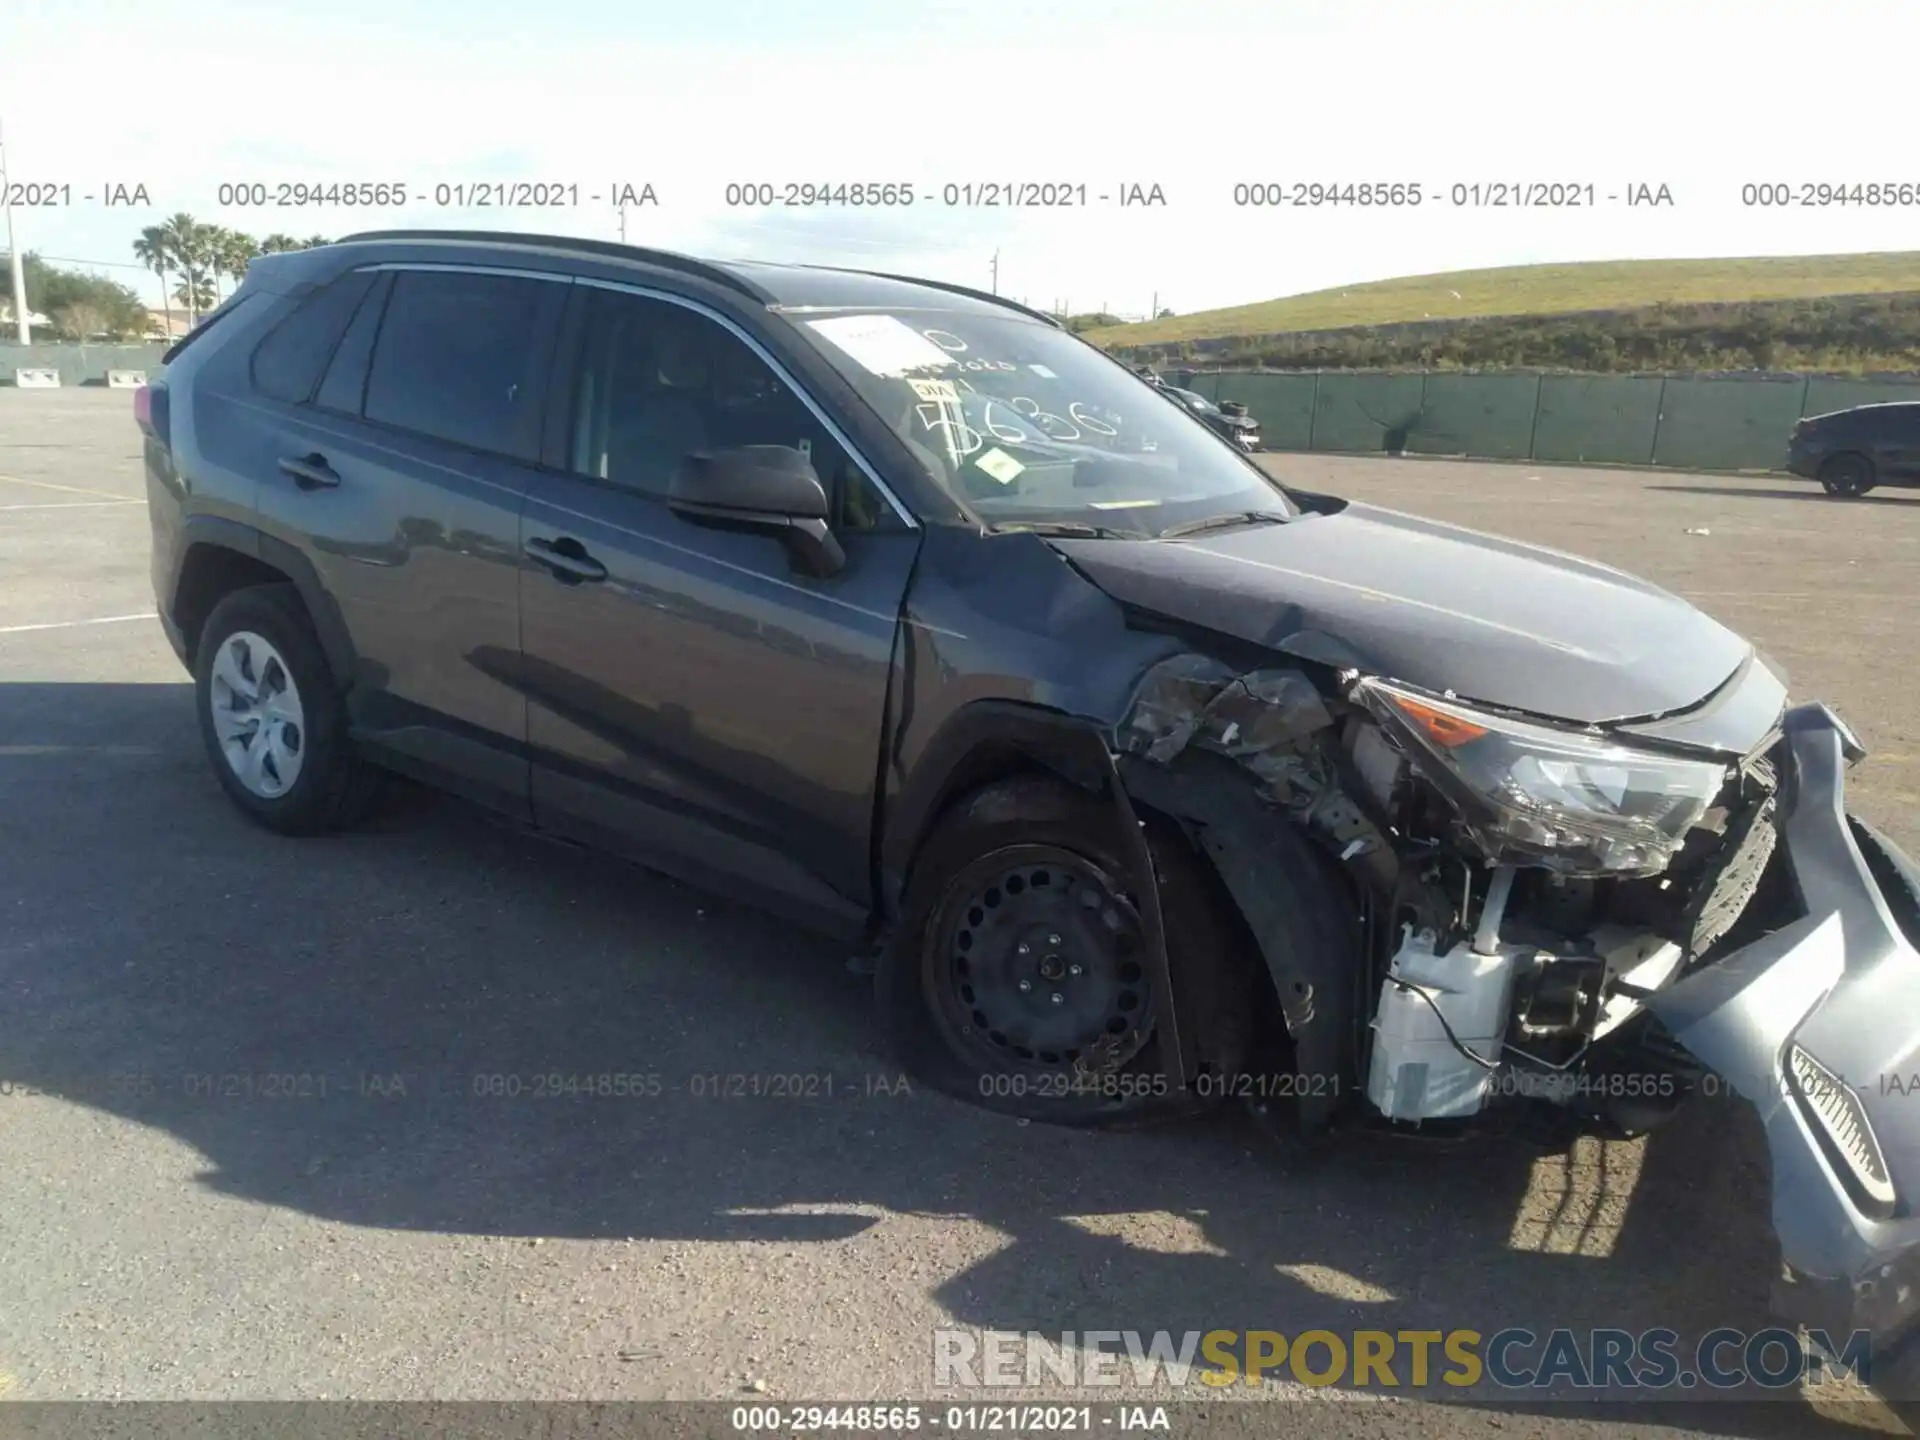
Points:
[[1194, 96]]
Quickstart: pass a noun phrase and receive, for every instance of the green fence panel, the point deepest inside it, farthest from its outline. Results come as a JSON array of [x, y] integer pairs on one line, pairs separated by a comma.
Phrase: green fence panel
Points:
[[1727, 424], [78, 364], [1489, 416], [1206, 383], [1357, 413], [1597, 419], [1283, 404], [1824, 394]]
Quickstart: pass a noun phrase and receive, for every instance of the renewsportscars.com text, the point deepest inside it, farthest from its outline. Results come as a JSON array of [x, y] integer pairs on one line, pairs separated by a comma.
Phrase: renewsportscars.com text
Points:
[[1514, 1358]]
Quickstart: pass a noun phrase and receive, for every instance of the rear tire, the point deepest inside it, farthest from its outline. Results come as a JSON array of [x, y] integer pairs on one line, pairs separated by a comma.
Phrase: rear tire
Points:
[[1848, 476], [1034, 860], [273, 719]]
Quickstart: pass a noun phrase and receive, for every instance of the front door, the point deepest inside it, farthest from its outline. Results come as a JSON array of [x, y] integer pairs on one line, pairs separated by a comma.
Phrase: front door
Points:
[[693, 698]]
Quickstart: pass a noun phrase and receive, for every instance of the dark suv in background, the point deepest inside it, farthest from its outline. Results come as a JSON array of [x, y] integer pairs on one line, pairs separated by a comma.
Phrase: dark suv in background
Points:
[[1143, 779], [1852, 451]]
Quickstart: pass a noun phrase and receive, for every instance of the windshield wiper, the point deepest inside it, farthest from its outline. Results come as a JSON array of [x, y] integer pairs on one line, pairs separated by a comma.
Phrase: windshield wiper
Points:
[[1221, 522], [1067, 530]]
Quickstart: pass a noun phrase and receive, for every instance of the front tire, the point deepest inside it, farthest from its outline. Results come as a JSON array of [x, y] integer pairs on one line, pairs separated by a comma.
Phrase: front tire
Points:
[[1021, 895], [272, 717], [1846, 477]]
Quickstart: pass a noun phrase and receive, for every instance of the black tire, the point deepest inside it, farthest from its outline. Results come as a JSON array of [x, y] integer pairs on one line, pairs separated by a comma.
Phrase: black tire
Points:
[[1019, 824], [1847, 476], [333, 787]]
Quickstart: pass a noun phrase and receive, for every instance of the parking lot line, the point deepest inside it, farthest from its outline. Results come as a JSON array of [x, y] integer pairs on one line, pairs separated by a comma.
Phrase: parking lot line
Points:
[[72, 505], [65, 489], [69, 624]]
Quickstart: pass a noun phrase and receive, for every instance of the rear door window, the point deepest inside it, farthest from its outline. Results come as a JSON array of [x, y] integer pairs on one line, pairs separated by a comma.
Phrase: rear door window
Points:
[[288, 363], [345, 387], [462, 357]]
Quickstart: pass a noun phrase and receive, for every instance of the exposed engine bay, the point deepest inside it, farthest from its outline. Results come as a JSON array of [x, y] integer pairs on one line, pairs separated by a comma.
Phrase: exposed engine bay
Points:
[[1524, 886]]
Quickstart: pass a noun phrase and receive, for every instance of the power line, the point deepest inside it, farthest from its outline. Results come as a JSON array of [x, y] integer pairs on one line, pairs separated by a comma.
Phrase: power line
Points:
[[98, 264]]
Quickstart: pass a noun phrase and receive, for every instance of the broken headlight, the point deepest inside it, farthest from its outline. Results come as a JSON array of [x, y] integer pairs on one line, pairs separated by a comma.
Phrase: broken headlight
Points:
[[1532, 794]]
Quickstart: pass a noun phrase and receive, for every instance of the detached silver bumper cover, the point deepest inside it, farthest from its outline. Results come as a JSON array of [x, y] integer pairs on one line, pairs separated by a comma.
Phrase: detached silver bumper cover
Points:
[[1818, 1025]]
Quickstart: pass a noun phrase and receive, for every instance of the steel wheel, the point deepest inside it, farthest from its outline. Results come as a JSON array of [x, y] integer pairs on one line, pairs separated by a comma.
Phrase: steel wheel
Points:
[[1035, 964], [1847, 476], [257, 716]]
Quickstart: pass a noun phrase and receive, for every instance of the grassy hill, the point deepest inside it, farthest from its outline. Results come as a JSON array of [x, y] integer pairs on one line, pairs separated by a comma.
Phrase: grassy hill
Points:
[[1537, 290]]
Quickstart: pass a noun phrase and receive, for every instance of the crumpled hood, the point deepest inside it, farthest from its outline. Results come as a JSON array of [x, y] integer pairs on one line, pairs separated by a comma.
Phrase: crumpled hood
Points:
[[1433, 605]]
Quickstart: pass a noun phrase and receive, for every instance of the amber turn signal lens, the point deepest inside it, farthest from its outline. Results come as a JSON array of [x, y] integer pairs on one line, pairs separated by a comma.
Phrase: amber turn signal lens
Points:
[[1443, 729]]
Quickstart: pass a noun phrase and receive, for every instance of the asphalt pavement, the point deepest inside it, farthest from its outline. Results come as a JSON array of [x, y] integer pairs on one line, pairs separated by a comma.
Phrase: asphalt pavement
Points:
[[292, 1119]]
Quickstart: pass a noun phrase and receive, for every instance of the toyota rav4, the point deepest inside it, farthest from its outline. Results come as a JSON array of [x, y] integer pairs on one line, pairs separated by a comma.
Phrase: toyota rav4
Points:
[[1141, 777]]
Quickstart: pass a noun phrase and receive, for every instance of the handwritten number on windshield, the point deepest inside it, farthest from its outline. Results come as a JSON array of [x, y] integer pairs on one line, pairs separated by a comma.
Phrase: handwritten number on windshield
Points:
[[1012, 434], [1046, 422], [962, 439], [1098, 427]]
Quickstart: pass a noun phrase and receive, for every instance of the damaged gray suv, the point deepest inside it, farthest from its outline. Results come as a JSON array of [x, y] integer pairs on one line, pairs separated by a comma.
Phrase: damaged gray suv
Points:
[[1146, 780]]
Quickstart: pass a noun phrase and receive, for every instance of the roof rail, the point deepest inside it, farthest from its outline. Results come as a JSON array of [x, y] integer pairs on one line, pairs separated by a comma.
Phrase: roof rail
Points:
[[971, 293], [719, 275]]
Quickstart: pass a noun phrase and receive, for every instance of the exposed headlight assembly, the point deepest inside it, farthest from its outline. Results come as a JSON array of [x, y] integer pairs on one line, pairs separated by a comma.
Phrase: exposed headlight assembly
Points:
[[1537, 795]]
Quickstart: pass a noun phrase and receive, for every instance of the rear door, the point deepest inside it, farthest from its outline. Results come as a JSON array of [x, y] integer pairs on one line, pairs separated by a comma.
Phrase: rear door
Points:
[[694, 699], [402, 479]]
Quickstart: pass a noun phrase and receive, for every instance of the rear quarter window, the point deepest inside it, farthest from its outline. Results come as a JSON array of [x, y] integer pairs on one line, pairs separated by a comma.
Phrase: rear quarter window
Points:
[[242, 299], [289, 361]]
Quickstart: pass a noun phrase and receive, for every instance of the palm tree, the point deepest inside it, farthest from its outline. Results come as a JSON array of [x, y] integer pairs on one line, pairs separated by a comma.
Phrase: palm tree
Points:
[[277, 243], [238, 254], [213, 255], [186, 242], [196, 294], [151, 250]]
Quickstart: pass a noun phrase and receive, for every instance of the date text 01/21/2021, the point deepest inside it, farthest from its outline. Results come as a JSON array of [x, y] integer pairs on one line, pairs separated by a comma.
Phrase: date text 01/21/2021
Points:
[[463, 195], [968, 194], [1461, 195], [1117, 1085]]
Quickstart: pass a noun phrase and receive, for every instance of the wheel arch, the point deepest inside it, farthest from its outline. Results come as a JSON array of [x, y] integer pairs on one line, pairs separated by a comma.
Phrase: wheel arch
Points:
[[982, 743], [220, 556], [1850, 453]]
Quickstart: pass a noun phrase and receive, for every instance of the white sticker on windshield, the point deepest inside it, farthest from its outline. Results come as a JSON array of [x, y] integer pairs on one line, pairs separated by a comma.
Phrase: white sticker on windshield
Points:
[[1121, 504], [936, 390], [882, 344], [1043, 372], [1000, 465]]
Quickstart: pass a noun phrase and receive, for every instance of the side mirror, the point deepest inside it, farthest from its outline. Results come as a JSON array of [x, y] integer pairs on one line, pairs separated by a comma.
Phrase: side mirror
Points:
[[764, 490]]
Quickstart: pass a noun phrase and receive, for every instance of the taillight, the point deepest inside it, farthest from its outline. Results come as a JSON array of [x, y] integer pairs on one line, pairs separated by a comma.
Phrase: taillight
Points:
[[150, 411]]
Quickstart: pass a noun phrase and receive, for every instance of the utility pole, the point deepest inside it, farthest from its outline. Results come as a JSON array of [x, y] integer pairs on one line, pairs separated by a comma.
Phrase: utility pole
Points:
[[21, 328], [623, 222], [996, 272], [1154, 313]]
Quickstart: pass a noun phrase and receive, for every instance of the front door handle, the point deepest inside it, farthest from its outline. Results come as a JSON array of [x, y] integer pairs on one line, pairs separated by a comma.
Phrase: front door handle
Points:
[[566, 557], [311, 472]]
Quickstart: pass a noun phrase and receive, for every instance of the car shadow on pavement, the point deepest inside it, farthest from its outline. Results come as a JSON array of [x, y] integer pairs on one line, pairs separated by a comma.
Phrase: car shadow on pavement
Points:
[[414, 984]]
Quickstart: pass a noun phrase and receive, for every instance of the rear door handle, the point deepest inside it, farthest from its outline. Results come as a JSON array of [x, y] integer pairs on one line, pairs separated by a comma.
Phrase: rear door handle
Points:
[[310, 472], [566, 558]]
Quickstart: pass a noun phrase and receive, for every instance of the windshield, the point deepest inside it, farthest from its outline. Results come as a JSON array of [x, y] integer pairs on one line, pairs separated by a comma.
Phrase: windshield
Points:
[[1198, 401], [1028, 426]]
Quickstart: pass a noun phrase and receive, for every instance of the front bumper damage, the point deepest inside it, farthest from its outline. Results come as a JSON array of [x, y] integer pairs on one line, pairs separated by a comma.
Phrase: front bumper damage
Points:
[[1838, 982], [1841, 984]]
